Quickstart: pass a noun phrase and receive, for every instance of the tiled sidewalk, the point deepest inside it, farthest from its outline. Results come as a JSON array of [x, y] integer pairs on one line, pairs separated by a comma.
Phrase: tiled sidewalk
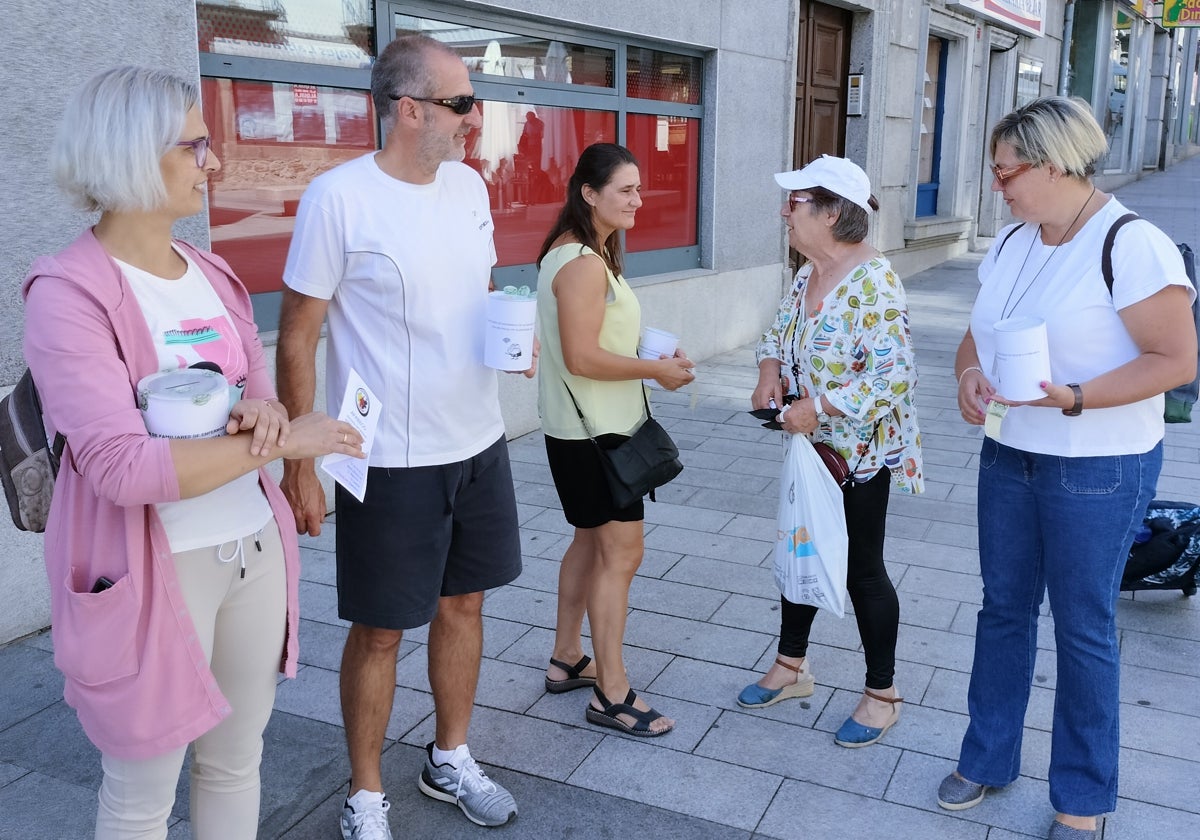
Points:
[[704, 613]]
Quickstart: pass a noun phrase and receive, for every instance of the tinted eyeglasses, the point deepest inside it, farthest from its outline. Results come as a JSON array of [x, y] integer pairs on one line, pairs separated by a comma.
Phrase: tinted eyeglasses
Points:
[[793, 200], [1003, 176], [199, 149], [460, 105]]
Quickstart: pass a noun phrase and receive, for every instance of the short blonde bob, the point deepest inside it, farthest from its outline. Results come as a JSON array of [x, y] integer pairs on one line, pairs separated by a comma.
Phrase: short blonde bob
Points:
[[1053, 130], [113, 134]]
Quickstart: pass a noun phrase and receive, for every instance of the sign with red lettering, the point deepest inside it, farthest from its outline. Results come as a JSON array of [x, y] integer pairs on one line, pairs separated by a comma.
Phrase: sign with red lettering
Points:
[[304, 94]]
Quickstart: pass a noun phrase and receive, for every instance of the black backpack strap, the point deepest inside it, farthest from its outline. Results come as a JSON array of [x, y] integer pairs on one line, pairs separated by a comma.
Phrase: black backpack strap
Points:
[[1106, 253], [1007, 237]]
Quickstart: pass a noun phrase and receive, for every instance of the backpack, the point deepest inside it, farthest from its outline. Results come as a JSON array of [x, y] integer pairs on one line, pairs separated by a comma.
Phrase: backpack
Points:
[[1179, 401], [28, 461], [1166, 555]]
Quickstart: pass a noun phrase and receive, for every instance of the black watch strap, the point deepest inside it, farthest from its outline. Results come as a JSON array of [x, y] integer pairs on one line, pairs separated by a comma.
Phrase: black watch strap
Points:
[[1076, 409]]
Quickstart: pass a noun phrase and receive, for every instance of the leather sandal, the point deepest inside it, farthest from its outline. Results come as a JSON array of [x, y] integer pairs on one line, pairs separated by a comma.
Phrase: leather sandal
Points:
[[608, 716], [854, 734], [754, 696], [575, 679]]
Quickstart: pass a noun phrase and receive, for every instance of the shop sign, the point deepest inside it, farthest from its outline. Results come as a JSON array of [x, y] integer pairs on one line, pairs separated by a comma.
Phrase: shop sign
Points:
[[303, 95], [1028, 16], [1180, 13]]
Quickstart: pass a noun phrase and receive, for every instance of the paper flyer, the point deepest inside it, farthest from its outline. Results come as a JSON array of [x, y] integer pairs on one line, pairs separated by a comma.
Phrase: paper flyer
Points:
[[361, 410]]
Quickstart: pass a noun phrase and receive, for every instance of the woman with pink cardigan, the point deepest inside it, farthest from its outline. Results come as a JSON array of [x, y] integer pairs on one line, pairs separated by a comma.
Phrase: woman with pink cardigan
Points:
[[172, 562]]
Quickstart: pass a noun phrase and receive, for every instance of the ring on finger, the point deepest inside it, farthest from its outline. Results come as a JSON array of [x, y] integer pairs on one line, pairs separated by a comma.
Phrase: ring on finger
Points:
[[343, 438]]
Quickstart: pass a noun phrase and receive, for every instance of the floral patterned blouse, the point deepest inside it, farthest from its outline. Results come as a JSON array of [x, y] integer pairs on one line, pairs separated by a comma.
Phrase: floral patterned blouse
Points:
[[856, 349]]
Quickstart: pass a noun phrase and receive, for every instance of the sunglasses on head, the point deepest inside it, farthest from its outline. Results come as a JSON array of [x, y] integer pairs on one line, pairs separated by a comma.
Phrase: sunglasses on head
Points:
[[1003, 176], [460, 105]]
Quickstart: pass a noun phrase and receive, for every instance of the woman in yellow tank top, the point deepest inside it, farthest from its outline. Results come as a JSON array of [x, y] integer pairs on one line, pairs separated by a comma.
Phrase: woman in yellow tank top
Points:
[[588, 322]]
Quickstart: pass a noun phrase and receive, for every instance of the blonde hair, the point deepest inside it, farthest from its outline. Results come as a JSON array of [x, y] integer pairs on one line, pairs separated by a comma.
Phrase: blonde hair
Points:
[[113, 135], [1054, 130]]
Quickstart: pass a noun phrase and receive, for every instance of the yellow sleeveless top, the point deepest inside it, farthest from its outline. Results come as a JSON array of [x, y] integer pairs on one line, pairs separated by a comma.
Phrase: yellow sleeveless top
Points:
[[610, 407]]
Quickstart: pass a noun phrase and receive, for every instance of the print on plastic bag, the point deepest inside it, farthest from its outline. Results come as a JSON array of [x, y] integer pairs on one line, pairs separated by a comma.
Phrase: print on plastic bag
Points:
[[811, 542]]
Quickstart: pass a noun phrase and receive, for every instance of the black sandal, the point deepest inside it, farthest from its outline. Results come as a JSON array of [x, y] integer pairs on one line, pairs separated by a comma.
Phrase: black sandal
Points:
[[608, 716], [574, 679]]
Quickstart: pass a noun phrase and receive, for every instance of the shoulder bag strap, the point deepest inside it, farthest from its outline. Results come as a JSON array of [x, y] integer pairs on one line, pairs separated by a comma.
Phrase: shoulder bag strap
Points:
[[1109, 241], [583, 420]]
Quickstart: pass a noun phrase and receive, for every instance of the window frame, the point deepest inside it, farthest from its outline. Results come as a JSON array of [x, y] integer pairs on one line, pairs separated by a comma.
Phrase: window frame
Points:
[[500, 89], [564, 95]]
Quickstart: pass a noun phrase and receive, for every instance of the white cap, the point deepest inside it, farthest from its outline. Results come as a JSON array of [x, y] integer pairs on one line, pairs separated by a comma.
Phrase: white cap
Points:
[[838, 175]]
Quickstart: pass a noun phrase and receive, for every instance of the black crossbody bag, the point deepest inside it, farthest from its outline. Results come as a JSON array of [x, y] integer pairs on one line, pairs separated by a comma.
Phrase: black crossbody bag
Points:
[[648, 459]]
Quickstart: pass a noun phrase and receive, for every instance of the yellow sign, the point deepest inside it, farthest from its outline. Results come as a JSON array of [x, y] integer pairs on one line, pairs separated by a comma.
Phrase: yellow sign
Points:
[[1180, 13]]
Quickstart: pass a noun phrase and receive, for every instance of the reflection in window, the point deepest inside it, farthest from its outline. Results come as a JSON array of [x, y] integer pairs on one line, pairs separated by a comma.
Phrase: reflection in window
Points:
[[493, 53], [1115, 118], [654, 74], [1029, 80], [338, 34], [526, 155], [668, 151], [272, 140]]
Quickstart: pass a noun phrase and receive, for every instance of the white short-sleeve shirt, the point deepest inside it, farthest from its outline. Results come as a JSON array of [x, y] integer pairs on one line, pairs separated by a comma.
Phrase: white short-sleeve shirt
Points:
[[1086, 334], [406, 269]]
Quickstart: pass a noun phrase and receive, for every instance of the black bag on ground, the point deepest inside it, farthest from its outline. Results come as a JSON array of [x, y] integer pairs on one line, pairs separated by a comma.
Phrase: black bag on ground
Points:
[[649, 459], [28, 461], [1170, 557]]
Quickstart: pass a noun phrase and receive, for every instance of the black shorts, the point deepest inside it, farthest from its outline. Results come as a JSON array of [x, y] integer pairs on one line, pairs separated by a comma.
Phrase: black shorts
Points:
[[581, 485], [422, 533]]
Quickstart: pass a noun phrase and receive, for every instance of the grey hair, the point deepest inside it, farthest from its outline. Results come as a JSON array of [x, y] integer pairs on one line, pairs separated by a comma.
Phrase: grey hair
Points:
[[1055, 130], [113, 134], [852, 221], [402, 68]]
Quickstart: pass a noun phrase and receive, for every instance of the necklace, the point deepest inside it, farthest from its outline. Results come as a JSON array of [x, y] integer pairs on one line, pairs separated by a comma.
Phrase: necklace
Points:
[[1006, 311]]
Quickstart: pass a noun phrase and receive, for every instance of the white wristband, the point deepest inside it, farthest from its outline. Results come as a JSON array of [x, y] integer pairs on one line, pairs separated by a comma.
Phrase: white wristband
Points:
[[967, 370]]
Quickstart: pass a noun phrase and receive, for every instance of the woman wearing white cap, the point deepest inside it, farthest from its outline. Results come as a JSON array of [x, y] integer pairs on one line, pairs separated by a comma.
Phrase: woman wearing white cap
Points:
[[839, 362]]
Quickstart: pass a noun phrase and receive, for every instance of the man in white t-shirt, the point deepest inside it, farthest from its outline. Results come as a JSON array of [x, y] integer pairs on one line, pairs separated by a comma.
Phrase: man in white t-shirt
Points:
[[396, 248]]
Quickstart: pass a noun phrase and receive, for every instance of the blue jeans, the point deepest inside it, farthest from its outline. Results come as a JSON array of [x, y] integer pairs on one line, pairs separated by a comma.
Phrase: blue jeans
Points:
[[1062, 526]]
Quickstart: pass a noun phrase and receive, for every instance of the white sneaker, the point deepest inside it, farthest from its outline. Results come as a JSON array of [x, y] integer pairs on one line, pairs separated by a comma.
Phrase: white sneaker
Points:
[[364, 817], [467, 786]]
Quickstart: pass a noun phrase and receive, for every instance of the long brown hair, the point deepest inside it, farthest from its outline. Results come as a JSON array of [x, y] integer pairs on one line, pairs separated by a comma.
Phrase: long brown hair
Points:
[[595, 169]]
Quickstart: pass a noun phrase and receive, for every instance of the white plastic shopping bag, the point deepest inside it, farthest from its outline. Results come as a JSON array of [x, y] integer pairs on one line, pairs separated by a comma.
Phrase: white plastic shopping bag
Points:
[[810, 547]]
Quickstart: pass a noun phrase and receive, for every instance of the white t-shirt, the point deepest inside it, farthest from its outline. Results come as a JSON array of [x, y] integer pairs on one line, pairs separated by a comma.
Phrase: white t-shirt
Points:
[[189, 324], [1086, 335], [406, 270]]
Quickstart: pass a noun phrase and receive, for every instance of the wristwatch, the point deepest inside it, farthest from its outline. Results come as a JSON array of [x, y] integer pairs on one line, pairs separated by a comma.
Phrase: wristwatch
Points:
[[1077, 408], [819, 407]]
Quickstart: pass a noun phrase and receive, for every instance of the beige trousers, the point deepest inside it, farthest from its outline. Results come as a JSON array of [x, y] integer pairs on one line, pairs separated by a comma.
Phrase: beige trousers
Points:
[[241, 624]]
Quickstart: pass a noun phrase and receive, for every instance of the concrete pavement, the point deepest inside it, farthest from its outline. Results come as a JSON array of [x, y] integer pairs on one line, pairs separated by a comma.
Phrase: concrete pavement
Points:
[[702, 624]]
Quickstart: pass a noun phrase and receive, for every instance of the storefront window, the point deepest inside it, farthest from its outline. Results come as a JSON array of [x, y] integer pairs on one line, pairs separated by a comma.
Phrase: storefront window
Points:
[[654, 74], [336, 34], [272, 140], [933, 106], [1029, 80], [668, 149], [508, 55], [526, 155], [1116, 124]]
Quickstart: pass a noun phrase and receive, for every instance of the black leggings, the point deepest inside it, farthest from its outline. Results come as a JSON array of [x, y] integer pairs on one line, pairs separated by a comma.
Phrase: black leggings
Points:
[[875, 603]]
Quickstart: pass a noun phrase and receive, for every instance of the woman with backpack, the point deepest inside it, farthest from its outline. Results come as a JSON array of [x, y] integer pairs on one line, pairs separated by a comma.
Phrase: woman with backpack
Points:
[[173, 562], [1064, 479]]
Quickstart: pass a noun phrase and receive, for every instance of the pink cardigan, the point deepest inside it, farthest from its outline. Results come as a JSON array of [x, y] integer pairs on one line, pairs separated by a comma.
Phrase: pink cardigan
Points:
[[135, 672]]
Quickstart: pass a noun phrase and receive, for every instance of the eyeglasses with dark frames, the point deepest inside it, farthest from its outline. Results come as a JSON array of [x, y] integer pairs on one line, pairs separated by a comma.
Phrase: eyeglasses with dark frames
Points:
[[1003, 176], [199, 149], [460, 105], [793, 200]]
